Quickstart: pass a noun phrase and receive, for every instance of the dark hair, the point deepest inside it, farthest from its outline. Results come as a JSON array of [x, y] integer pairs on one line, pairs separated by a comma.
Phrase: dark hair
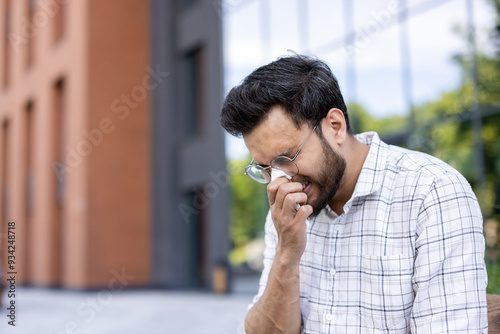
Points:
[[304, 86]]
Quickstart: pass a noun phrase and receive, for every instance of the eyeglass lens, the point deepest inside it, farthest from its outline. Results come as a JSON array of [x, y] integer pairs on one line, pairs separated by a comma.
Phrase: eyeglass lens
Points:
[[285, 164], [258, 174]]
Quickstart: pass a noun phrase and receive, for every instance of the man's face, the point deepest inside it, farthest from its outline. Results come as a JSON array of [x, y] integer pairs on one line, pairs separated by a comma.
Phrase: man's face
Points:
[[320, 167]]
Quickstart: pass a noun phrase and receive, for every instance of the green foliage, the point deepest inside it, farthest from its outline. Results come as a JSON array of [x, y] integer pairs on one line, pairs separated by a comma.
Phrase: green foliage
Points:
[[362, 121], [493, 269], [444, 127], [249, 207]]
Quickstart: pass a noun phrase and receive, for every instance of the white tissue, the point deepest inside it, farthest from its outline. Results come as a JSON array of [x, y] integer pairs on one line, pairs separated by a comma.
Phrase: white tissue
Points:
[[276, 174]]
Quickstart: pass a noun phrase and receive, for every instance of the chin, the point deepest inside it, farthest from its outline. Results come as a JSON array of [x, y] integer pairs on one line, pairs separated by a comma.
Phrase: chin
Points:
[[318, 202]]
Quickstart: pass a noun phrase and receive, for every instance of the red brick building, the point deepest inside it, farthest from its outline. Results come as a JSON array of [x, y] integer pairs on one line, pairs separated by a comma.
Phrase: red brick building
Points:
[[74, 167], [76, 153]]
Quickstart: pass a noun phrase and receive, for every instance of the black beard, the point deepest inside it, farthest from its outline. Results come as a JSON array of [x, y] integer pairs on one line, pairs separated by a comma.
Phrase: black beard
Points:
[[330, 177]]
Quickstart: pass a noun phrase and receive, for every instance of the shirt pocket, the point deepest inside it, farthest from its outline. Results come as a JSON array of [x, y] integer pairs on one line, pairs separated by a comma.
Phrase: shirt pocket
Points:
[[386, 295]]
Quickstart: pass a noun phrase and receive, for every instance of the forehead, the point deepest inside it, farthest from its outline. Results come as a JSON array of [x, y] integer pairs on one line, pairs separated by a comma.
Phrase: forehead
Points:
[[276, 135]]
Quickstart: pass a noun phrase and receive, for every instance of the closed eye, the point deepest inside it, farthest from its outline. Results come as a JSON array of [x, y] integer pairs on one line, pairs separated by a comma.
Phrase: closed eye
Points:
[[261, 165]]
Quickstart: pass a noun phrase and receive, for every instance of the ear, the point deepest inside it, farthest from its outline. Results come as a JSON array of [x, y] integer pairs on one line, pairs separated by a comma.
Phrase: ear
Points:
[[336, 125]]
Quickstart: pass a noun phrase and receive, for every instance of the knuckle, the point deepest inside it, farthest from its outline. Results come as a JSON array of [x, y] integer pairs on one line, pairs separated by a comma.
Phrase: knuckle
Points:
[[290, 188], [291, 199], [271, 188], [297, 197], [300, 196]]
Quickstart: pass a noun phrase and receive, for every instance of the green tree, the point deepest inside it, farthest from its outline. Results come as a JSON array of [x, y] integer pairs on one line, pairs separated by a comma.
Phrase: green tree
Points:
[[249, 207], [361, 121]]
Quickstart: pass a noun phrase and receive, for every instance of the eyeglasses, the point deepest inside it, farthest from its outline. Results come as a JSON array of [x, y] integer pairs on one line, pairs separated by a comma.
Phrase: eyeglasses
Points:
[[263, 174]]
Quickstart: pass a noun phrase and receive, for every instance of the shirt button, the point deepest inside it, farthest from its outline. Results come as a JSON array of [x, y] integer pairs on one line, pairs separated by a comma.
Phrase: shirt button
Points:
[[333, 272], [329, 317], [338, 227]]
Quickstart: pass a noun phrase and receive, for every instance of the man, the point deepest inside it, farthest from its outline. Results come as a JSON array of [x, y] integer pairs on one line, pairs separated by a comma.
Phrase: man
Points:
[[364, 237]]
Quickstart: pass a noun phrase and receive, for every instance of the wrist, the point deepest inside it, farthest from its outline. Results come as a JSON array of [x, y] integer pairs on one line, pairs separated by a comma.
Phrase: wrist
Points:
[[287, 260]]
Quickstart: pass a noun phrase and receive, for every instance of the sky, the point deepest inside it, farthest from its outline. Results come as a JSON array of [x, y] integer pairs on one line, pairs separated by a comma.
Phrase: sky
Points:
[[370, 67]]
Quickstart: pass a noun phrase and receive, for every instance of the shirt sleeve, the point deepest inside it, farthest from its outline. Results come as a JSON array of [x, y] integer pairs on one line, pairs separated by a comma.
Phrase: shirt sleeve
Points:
[[450, 277], [271, 242]]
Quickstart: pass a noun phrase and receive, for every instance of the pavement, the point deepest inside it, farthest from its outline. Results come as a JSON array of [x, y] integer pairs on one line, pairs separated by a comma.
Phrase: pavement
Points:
[[58, 311]]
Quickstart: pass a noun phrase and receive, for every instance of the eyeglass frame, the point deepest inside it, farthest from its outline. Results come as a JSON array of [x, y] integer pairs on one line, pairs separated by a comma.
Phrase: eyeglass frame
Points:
[[265, 169]]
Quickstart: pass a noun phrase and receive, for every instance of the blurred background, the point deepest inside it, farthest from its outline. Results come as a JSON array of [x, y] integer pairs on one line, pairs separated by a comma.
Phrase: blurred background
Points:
[[122, 186], [423, 74]]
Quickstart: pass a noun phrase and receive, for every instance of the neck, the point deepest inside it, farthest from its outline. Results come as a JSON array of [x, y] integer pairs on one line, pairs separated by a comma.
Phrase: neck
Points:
[[355, 154]]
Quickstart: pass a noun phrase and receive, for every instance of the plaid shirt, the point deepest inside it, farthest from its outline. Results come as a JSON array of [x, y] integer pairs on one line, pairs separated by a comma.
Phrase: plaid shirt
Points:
[[406, 256]]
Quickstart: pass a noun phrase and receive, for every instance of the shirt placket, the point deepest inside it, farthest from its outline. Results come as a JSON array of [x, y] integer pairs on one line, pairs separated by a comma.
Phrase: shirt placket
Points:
[[330, 313]]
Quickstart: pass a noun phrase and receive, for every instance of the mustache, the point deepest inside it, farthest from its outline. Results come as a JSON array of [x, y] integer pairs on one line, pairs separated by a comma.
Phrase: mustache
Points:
[[302, 179]]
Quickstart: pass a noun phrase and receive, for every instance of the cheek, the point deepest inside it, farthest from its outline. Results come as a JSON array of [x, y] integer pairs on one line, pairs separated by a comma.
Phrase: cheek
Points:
[[312, 166], [309, 168], [312, 173]]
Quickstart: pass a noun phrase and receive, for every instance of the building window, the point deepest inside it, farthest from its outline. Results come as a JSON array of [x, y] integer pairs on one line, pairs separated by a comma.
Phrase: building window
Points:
[[5, 171], [59, 20], [185, 4], [196, 248], [31, 8], [59, 140], [29, 184], [29, 159], [4, 190], [194, 99], [60, 175], [6, 48]]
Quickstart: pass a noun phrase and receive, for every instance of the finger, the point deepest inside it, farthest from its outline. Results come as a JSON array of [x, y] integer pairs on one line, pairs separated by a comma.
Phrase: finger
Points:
[[286, 211], [284, 190], [291, 200], [273, 187], [304, 212]]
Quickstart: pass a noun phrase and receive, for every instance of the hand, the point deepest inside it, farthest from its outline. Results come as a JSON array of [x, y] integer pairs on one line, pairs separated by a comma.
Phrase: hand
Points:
[[290, 224]]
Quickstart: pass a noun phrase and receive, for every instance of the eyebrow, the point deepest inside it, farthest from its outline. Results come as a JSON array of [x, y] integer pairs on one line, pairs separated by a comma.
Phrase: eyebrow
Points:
[[287, 153]]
